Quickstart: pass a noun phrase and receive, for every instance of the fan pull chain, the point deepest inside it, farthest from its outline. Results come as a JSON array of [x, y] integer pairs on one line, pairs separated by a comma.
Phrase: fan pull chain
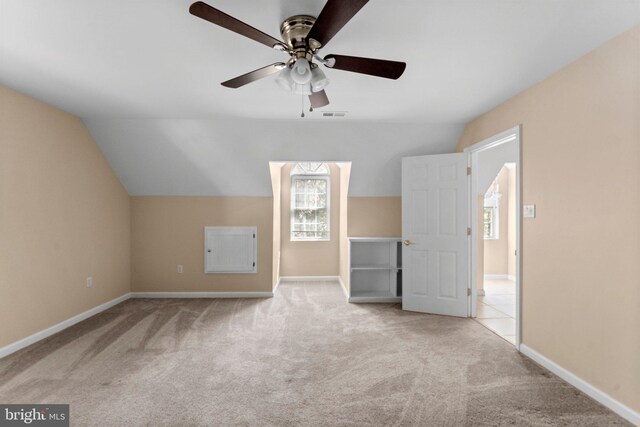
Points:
[[302, 106]]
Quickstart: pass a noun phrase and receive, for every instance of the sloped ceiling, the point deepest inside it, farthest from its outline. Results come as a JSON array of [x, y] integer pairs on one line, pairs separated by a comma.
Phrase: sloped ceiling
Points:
[[230, 158], [145, 77]]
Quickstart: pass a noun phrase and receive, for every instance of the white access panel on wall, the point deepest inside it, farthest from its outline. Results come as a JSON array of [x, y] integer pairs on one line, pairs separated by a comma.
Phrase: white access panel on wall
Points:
[[230, 250]]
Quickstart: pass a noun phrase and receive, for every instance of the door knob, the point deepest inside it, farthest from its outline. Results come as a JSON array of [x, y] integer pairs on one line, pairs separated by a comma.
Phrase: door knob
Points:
[[407, 242]]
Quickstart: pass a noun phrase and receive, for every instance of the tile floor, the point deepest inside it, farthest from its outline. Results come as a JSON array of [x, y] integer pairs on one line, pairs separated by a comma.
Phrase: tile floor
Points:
[[497, 308]]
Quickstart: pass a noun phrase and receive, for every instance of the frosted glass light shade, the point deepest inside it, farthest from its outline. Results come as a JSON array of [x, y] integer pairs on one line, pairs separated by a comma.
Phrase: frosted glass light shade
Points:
[[318, 80], [284, 79], [301, 71]]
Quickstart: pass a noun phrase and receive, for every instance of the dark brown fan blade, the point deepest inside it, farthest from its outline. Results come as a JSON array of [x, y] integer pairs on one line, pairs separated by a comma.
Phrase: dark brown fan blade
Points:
[[334, 16], [254, 75], [208, 13], [373, 67], [319, 99]]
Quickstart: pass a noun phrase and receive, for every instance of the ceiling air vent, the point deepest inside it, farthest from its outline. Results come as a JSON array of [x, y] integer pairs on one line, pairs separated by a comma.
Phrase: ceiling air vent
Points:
[[334, 113]]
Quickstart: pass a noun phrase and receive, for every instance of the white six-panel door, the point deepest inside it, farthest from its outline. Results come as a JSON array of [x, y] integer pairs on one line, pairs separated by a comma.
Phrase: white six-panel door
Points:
[[434, 230]]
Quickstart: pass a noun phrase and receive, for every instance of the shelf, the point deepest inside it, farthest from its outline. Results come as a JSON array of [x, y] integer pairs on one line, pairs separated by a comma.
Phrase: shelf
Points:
[[374, 267], [373, 296]]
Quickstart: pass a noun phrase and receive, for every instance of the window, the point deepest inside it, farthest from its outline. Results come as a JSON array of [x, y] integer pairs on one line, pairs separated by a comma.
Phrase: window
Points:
[[492, 211], [310, 201], [490, 223]]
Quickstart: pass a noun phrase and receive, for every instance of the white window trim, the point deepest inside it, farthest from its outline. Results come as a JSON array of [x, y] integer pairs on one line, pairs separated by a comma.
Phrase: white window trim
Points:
[[292, 205], [303, 168]]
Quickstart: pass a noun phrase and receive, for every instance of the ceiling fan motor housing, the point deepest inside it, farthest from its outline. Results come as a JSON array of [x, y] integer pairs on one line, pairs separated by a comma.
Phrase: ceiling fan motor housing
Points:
[[294, 31]]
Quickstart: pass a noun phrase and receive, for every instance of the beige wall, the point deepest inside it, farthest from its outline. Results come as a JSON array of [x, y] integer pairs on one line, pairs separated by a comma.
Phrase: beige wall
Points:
[[496, 250], [375, 216], [169, 231], [310, 258], [64, 216], [581, 167]]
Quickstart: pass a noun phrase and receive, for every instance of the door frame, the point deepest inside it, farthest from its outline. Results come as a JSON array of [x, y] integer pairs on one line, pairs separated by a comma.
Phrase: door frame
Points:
[[512, 134]]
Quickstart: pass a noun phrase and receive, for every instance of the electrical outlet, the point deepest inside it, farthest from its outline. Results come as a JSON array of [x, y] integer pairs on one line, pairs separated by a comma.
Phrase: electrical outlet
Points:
[[529, 211], [89, 282], [179, 269]]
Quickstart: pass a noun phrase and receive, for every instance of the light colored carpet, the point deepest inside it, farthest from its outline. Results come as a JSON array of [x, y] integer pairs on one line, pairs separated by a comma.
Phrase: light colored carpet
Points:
[[305, 357]]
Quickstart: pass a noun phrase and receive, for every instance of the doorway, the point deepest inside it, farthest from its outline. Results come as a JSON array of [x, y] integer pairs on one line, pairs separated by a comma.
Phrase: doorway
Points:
[[495, 249], [443, 206], [496, 287]]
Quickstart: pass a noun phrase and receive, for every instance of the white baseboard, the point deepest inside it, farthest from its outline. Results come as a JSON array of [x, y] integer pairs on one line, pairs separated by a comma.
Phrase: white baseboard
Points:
[[389, 299], [496, 276], [312, 279], [308, 278], [201, 294], [31, 339], [344, 288], [275, 288], [596, 394], [500, 277]]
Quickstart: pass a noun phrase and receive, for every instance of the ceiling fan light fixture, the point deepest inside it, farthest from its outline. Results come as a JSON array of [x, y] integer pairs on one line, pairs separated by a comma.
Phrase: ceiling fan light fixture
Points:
[[302, 37], [318, 80], [301, 71], [284, 79]]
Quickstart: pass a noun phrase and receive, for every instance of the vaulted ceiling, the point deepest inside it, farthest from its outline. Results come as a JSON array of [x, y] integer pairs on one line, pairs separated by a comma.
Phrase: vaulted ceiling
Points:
[[145, 76]]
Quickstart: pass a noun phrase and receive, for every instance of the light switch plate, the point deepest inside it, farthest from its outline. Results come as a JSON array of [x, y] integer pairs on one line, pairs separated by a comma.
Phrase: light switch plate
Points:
[[179, 269], [529, 211]]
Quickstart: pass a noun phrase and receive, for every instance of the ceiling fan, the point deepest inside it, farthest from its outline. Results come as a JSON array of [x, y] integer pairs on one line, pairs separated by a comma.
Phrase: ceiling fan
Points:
[[303, 37]]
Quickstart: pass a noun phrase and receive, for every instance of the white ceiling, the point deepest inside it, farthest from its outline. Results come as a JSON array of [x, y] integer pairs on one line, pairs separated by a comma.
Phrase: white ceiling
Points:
[[152, 59], [137, 68]]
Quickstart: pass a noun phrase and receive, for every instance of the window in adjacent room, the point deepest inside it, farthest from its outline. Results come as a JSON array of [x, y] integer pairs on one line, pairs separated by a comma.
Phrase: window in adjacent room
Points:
[[310, 193], [490, 223], [492, 211]]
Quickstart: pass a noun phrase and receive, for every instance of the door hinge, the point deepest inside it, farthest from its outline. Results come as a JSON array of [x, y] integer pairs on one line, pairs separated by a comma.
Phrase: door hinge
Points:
[[254, 264], [254, 235], [468, 292], [468, 231], [468, 170]]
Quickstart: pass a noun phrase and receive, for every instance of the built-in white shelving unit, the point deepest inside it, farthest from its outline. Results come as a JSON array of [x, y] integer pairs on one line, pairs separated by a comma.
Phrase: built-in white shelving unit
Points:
[[375, 265]]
